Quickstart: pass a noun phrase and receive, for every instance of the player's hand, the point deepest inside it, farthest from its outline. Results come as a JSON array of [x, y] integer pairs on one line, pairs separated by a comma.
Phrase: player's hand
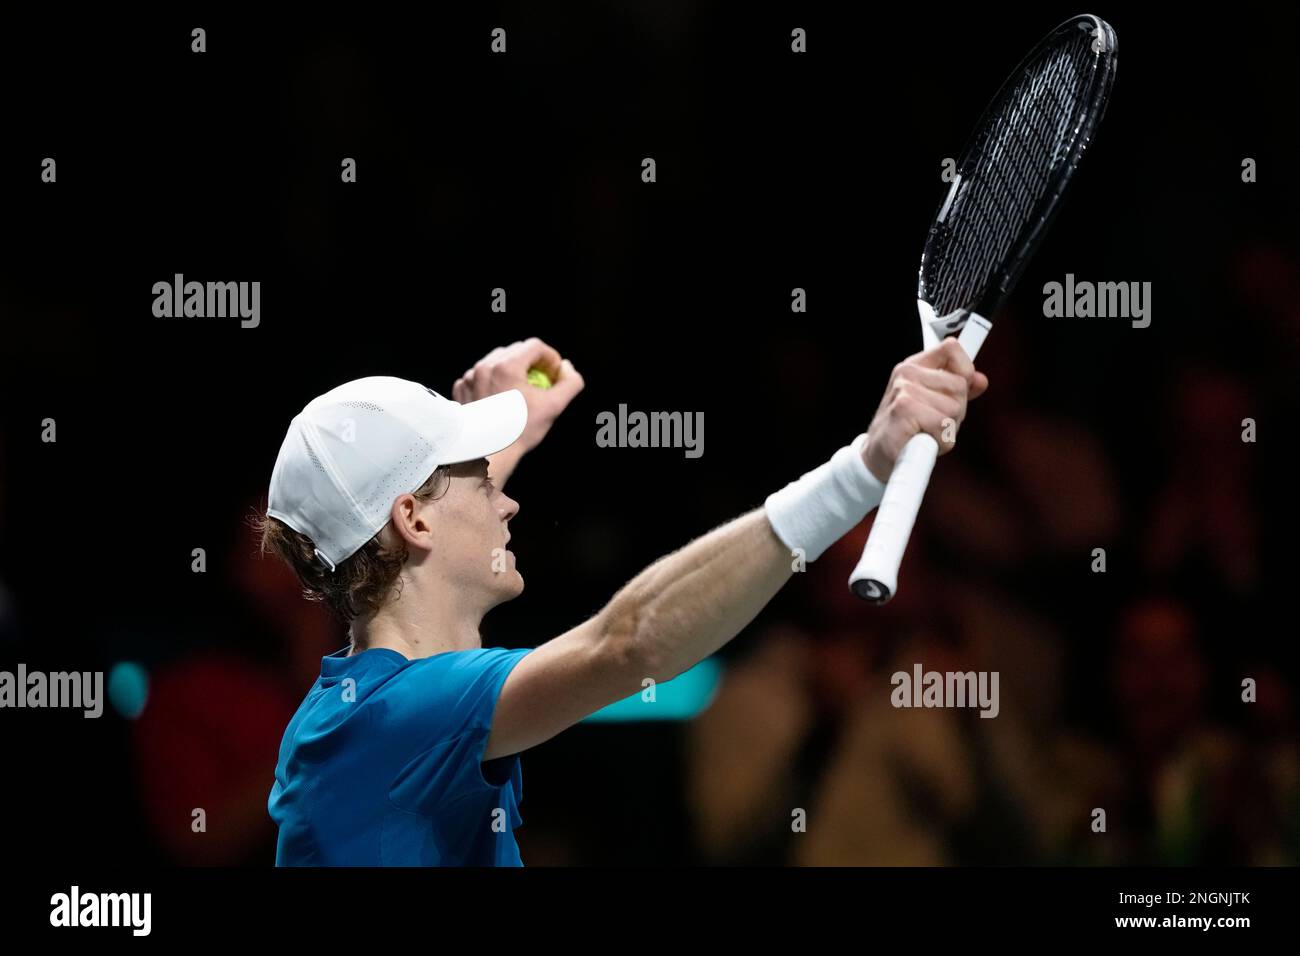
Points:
[[927, 392], [507, 367]]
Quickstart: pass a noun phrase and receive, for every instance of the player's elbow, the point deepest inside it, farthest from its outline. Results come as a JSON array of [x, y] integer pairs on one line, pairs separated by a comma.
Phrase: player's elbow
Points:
[[630, 646]]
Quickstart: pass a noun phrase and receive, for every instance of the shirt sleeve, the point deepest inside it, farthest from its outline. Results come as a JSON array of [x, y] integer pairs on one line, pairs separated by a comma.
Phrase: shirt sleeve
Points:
[[438, 718]]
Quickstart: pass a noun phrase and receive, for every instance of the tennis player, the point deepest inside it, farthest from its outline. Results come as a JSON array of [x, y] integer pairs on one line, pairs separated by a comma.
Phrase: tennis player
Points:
[[389, 502]]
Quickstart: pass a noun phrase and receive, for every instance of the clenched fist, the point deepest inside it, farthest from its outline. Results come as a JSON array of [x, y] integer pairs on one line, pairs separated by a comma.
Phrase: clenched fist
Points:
[[927, 392], [507, 367]]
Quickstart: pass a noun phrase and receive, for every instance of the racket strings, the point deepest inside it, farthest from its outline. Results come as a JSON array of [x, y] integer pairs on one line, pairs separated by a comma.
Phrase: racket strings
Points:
[[1008, 172], [1012, 173], [1015, 173]]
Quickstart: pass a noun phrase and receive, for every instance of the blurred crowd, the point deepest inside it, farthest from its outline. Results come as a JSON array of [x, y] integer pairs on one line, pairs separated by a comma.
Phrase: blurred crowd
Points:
[[1128, 698]]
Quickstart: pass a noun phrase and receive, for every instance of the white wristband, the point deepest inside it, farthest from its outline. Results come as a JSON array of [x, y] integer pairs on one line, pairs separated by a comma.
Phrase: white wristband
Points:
[[825, 504]]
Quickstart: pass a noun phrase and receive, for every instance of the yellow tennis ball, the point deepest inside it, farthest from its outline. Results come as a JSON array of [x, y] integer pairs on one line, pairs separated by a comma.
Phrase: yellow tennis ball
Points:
[[539, 378]]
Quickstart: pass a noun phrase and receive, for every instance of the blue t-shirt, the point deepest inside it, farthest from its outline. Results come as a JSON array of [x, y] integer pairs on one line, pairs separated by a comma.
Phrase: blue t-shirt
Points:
[[381, 765]]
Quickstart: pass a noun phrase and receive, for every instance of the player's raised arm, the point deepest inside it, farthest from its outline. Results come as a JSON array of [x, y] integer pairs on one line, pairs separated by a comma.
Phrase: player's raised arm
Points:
[[689, 603], [547, 382]]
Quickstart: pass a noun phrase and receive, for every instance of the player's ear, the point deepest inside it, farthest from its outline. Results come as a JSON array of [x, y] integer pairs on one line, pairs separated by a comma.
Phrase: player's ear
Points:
[[410, 520]]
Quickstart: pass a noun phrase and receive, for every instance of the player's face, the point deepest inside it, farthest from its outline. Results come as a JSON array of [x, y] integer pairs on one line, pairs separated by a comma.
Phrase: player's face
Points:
[[472, 531]]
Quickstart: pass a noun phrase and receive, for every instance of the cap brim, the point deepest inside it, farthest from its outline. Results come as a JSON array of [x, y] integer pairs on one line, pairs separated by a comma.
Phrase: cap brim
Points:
[[489, 425]]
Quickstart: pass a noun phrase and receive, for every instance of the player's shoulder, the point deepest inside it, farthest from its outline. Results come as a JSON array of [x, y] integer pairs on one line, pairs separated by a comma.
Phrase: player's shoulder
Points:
[[450, 671], [457, 685], [467, 659]]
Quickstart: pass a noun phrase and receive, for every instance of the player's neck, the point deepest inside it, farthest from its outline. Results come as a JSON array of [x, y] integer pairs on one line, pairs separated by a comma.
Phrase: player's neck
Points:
[[422, 619]]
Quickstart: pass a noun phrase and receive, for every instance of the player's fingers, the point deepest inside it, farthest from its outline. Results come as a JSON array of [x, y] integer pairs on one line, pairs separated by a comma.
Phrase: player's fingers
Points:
[[568, 380], [934, 379], [949, 355], [940, 424], [534, 353], [948, 406], [979, 385]]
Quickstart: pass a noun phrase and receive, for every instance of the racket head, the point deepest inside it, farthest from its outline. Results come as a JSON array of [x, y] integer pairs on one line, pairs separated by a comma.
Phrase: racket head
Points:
[[1013, 171]]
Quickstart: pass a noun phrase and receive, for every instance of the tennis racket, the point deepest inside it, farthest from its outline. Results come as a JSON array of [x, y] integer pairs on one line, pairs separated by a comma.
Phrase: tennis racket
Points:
[[1008, 184]]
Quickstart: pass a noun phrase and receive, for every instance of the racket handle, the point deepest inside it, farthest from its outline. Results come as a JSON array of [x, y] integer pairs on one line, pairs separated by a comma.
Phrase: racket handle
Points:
[[875, 579]]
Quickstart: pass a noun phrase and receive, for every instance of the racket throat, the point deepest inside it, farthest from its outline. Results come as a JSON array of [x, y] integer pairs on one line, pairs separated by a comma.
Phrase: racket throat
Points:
[[934, 329]]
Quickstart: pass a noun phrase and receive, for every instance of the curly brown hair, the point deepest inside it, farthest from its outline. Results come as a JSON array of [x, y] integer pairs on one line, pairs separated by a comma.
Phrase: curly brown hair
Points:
[[360, 584]]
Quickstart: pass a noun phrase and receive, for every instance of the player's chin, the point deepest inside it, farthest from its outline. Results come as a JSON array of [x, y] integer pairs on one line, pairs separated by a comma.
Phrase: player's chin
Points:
[[509, 584]]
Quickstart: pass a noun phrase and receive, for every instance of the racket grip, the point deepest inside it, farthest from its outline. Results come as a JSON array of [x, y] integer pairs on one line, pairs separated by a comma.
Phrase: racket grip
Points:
[[875, 579]]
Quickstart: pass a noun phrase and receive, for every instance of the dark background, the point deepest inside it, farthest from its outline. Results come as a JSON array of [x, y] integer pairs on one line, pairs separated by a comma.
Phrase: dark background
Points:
[[775, 171]]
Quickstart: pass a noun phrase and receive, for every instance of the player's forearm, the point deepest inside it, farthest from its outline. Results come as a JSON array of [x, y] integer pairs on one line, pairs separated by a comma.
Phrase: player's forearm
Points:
[[685, 606], [689, 603]]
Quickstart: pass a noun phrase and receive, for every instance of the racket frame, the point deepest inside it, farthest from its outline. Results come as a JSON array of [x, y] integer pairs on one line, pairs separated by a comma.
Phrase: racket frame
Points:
[[875, 578]]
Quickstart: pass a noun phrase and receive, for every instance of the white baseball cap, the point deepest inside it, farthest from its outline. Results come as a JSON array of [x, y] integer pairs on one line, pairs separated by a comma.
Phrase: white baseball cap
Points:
[[352, 451]]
